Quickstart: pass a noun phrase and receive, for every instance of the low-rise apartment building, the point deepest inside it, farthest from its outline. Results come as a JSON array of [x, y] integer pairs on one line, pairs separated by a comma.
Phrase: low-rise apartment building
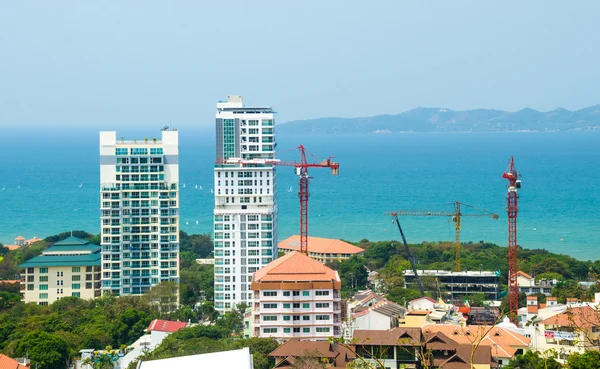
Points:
[[321, 249], [295, 296], [70, 267], [530, 286]]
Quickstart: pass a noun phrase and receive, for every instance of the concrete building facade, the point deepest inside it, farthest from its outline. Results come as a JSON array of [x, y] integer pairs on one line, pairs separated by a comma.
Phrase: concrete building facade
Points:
[[139, 216], [460, 285], [245, 213], [296, 296], [70, 267]]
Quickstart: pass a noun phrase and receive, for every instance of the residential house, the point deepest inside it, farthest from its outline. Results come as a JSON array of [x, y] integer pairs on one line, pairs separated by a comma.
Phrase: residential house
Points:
[[321, 249], [296, 296], [505, 341], [331, 354], [159, 329], [529, 286], [575, 329], [10, 363]]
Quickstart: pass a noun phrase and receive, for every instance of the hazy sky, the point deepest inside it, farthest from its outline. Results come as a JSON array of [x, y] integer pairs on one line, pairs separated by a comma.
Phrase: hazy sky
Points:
[[105, 63]]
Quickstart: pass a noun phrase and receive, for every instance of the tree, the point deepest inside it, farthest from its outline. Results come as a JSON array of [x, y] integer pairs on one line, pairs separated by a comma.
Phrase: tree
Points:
[[477, 299], [402, 296], [130, 326], [535, 360], [353, 274], [45, 350], [587, 360]]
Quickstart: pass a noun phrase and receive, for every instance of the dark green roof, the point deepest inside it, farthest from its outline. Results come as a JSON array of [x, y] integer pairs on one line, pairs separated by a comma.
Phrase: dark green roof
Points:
[[90, 247], [71, 241], [63, 260]]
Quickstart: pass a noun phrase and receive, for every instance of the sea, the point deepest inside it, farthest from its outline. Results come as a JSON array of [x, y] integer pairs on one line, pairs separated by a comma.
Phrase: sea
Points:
[[49, 183]]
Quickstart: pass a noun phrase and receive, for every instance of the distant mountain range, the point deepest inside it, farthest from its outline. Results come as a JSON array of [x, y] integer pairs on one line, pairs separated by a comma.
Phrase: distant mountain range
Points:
[[445, 120]]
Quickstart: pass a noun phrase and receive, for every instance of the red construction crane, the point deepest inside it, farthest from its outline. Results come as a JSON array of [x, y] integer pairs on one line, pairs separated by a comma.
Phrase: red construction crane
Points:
[[512, 209], [302, 171]]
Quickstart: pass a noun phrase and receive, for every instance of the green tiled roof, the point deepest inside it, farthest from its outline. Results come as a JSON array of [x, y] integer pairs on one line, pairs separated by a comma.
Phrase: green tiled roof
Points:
[[64, 260], [90, 247], [71, 241]]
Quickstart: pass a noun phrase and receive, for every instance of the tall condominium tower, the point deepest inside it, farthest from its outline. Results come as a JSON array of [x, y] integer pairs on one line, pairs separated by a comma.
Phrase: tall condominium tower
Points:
[[139, 201], [245, 215]]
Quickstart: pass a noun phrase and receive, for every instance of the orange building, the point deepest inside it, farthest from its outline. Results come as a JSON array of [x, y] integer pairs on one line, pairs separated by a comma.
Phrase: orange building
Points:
[[296, 297], [321, 249]]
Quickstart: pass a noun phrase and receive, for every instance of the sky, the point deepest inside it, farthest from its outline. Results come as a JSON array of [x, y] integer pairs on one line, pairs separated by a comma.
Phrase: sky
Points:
[[136, 63]]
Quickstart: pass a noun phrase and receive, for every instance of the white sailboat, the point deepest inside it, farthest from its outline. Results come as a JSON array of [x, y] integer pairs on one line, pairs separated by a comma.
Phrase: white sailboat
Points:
[[200, 188], [290, 189], [211, 190]]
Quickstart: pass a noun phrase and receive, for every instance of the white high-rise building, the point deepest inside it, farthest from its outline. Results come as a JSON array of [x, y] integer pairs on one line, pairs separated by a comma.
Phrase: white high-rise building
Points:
[[139, 201], [245, 215]]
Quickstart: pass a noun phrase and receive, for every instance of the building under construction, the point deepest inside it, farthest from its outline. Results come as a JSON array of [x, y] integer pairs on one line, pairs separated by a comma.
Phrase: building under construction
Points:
[[458, 285]]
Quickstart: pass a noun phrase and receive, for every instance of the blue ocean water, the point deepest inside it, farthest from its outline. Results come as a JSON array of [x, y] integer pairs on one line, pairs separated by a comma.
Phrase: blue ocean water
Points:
[[41, 174]]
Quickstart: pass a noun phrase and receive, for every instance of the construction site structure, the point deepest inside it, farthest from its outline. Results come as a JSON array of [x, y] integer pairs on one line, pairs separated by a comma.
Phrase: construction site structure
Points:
[[301, 170], [512, 210], [456, 217]]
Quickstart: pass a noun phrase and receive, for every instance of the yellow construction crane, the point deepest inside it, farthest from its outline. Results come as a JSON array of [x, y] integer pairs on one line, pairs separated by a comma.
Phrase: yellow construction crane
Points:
[[455, 216]]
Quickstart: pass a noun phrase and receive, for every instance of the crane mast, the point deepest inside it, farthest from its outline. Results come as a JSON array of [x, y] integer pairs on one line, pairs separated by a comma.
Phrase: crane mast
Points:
[[512, 210]]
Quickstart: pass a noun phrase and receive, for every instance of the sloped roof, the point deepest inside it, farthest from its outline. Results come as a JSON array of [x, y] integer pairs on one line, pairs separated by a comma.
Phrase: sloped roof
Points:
[[10, 363], [296, 267], [397, 336], [165, 326], [71, 241], [295, 347], [238, 359], [462, 358], [320, 245], [504, 342], [581, 317], [62, 260], [20, 238], [427, 298], [524, 274]]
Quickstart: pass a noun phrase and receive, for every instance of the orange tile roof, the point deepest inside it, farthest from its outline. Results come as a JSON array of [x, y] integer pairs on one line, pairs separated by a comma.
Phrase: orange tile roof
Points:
[[10, 363], [320, 245], [524, 274], [296, 267], [20, 238], [551, 298], [532, 309], [12, 247], [581, 317], [531, 297], [504, 342]]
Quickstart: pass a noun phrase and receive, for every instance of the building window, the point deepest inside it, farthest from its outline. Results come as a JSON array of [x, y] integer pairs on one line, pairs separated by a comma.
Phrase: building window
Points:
[[306, 317], [270, 318], [306, 330], [322, 317], [269, 330], [322, 293], [270, 293], [305, 293], [269, 306], [76, 294], [306, 305], [43, 296], [322, 305], [43, 278], [30, 270], [59, 274], [322, 329], [76, 269], [296, 317], [286, 293], [43, 287], [75, 278], [296, 305], [29, 287], [76, 286], [286, 306], [286, 330], [43, 270], [286, 317], [296, 293], [297, 330]]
